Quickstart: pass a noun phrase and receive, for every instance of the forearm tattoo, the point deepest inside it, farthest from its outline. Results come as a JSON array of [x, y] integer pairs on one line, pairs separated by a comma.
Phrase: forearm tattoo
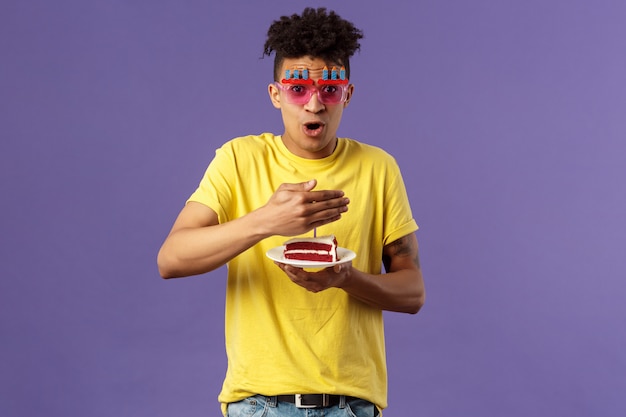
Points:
[[403, 247]]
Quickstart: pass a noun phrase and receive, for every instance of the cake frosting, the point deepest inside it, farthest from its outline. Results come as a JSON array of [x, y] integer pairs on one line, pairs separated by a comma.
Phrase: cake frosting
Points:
[[319, 249]]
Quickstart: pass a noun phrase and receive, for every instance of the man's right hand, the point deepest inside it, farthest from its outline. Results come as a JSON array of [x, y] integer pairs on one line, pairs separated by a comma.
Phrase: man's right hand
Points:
[[295, 209]]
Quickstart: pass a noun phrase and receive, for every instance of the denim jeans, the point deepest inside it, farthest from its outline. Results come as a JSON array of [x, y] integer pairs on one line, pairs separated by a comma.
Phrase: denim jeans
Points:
[[261, 406]]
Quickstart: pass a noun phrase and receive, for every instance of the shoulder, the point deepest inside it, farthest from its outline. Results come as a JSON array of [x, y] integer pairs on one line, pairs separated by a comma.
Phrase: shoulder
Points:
[[368, 152], [247, 149], [250, 143], [241, 151]]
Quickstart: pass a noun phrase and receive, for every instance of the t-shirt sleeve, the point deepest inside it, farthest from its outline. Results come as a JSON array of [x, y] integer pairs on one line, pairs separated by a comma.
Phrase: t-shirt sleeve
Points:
[[398, 219], [215, 188]]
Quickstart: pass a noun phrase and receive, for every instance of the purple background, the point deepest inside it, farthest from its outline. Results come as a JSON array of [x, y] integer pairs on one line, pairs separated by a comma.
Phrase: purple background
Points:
[[508, 119]]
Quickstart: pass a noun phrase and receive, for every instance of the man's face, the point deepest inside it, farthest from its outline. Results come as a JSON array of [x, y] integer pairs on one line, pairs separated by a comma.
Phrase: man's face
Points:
[[310, 128]]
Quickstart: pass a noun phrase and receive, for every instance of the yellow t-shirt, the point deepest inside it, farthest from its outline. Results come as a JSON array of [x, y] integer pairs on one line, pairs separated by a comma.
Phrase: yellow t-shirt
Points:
[[280, 338]]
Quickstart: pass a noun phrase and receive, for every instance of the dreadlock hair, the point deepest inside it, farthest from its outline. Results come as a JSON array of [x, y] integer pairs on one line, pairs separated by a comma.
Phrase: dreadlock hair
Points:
[[315, 33]]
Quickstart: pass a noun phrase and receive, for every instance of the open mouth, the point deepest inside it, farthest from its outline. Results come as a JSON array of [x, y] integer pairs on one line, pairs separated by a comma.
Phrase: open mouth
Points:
[[313, 128]]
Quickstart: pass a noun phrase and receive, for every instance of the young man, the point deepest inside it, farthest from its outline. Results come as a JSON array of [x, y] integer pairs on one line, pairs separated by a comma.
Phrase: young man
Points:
[[295, 338]]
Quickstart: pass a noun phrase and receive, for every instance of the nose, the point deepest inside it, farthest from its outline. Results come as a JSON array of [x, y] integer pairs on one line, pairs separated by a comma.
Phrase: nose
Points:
[[314, 105]]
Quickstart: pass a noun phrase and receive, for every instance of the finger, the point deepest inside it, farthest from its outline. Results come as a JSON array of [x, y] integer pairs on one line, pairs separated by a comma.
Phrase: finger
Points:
[[326, 210], [320, 214], [300, 186], [324, 195], [335, 203]]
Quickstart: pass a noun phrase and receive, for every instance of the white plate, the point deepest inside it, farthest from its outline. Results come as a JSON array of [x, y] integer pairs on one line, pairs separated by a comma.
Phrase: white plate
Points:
[[343, 255]]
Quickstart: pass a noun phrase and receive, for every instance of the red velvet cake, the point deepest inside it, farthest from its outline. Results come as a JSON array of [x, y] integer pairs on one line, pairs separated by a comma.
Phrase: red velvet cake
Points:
[[319, 249]]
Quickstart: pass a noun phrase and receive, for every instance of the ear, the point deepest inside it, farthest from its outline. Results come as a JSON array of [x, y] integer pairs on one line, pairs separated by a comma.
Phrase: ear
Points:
[[349, 96], [274, 94]]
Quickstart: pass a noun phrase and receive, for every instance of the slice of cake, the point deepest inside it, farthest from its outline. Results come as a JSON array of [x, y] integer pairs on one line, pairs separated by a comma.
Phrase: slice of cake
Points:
[[319, 249]]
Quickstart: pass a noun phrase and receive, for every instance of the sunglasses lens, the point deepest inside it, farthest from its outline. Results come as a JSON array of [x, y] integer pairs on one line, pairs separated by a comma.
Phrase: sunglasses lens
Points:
[[331, 94], [298, 94]]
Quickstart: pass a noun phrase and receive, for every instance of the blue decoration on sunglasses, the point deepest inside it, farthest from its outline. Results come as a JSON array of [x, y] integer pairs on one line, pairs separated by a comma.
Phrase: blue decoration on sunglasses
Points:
[[301, 76]]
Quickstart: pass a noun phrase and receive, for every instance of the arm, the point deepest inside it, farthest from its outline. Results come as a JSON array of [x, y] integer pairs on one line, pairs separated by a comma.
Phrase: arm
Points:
[[401, 289], [198, 243]]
